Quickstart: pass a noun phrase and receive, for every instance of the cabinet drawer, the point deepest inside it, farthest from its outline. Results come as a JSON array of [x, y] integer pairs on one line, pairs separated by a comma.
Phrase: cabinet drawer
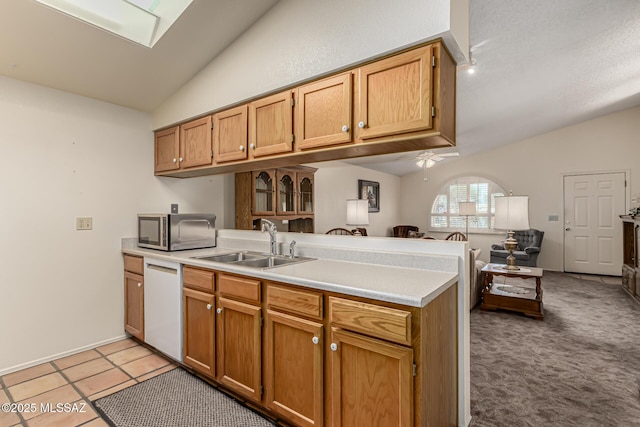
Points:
[[198, 279], [239, 287], [295, 301], [381, 322], [134, 264]]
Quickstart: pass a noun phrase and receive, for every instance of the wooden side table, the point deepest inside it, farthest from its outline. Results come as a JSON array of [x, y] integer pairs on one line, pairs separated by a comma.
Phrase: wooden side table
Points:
[[507, 297]]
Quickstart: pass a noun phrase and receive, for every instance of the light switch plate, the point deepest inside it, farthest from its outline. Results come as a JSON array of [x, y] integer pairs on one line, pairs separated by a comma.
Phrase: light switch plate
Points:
[[553, 217], [174, 208], [84, 223]]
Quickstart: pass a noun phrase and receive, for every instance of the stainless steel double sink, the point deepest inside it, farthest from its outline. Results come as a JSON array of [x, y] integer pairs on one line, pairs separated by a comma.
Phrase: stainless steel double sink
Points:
[[254, 259]]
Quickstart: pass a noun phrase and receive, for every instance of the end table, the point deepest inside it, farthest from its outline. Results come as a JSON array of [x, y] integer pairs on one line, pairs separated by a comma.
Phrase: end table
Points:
[[509, 297]]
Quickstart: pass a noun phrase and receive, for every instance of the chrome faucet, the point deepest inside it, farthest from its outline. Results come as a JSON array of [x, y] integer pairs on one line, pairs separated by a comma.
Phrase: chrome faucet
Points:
[[292, 249], [270, 227]]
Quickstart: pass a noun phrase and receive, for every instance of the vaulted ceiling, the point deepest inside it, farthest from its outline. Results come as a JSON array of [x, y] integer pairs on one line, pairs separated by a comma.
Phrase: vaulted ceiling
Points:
[[539, 65]]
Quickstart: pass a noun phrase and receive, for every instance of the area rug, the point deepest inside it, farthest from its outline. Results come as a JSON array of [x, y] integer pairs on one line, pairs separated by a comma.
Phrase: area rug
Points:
[[175, 399], [580, 366]]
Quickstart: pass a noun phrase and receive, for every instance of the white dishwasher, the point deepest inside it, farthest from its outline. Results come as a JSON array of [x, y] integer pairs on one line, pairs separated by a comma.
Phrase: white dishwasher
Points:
[[163, 306]]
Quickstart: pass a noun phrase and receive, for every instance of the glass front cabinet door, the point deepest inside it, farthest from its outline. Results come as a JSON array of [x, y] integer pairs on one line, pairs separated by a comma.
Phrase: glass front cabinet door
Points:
[[263, 191], [305, 193], [286, 197]]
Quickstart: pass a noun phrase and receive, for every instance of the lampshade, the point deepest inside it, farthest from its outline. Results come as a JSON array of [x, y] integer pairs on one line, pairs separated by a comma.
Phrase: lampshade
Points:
[[357, 212], [512, 213], [467, 208]]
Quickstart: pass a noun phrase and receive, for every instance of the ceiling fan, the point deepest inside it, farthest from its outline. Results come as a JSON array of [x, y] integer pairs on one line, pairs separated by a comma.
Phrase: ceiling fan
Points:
[[428, 159]]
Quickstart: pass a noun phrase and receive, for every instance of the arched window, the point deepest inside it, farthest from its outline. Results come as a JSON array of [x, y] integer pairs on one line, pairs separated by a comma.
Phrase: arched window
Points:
[[444, 211]]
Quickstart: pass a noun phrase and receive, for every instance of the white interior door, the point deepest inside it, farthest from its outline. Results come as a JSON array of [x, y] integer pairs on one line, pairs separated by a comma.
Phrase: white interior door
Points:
[[593, 230]]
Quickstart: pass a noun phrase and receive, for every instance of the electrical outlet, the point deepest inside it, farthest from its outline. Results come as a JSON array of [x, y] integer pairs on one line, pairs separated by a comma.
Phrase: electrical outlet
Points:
[[84, 223]]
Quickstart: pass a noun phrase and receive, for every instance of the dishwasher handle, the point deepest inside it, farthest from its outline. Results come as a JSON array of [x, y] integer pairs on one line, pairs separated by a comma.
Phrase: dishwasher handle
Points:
[[162, 269]]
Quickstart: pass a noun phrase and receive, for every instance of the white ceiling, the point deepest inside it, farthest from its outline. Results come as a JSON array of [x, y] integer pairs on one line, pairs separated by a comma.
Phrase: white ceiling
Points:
[[541, 65]]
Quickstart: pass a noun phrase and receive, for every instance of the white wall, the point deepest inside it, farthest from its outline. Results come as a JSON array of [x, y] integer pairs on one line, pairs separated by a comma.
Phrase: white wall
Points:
[[68, 156], [300, 39], [335, 182], [536, 167]]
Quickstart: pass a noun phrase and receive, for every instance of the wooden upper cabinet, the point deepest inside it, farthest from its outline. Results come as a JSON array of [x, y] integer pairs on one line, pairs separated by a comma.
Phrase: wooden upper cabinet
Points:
[[167, 149], [230, 134], [271, 125], [395, 95], [195, 143], [323, 112]]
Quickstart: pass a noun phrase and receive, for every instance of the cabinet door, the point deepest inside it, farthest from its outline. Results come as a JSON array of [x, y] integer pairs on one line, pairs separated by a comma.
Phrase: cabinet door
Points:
[[305, 192], [323, 112], [134, 304], [294, 374], [270, 125], [264, 192], [198, 322], [286, 192], [195, 143], [238, 334], [230, 134], [371, 381], [167, 149], [395, 95]]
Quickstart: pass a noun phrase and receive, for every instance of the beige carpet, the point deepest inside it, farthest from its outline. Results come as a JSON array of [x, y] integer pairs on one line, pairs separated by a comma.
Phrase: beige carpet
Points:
[[580, 366]]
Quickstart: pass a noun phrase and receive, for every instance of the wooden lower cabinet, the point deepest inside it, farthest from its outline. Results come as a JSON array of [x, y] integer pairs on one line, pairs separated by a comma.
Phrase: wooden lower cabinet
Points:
[[198, 350], [294, 368], [239, 351], [381, 364], [134, 304], [371, 381]]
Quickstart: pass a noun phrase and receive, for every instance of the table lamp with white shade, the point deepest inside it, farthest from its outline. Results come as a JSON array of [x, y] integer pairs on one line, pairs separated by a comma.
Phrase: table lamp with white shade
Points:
[[357, 212], [512, 214], [467, 209]]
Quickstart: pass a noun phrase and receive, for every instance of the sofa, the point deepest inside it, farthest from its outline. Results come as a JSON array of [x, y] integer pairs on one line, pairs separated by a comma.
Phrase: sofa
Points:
[[529, 244]]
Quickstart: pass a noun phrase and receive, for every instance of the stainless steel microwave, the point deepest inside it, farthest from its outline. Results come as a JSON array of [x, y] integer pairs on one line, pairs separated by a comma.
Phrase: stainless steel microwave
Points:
[[175, 232]]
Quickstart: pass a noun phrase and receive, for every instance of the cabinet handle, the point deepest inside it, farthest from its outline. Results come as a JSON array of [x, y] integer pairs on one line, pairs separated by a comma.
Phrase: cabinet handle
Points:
[[315, 340], [345, 128], [242, 148], [333, 346], [361, 125], [208, 306], [219, 310], [252, 146], [180, 159], [139, 285], [175, 160]]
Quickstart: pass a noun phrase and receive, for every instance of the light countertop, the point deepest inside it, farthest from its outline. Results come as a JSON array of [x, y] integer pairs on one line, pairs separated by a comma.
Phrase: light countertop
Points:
[[407, 286]]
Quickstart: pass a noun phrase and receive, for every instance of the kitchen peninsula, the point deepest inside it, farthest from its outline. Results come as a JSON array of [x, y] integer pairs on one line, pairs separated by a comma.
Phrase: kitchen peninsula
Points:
[[392, 308]]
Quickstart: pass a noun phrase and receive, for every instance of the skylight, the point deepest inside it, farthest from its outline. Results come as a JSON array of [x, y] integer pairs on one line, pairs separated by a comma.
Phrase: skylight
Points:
[[141, 21]]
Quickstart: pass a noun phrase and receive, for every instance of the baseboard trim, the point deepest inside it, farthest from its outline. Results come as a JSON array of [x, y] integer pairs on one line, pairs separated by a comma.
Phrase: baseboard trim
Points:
[[59, 355]]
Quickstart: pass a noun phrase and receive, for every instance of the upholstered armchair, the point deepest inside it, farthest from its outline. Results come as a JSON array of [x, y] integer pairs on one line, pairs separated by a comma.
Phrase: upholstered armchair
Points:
[[529, 244]]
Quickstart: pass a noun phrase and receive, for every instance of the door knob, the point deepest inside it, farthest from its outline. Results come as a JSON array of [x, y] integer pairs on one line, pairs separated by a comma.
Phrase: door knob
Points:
[[219, 310], [315, 340], [334, 346], [208, 306]]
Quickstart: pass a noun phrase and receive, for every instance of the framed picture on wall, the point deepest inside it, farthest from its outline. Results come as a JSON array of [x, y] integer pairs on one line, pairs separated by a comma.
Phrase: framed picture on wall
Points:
[[370, 190]]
